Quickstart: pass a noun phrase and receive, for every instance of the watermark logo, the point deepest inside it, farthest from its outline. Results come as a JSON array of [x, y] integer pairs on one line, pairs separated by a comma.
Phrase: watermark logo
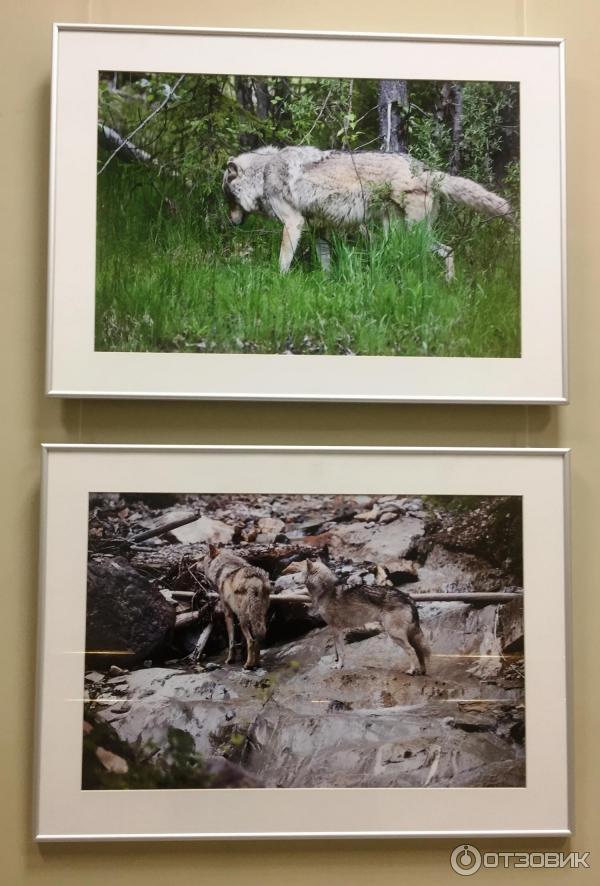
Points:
[[467, 860]]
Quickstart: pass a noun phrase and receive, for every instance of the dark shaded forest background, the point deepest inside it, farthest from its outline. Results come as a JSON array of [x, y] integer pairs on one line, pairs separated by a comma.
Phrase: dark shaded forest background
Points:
[[173, 274]]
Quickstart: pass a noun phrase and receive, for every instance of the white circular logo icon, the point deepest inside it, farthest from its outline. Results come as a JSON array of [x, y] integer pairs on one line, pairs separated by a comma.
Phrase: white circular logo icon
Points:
[[465, 860]]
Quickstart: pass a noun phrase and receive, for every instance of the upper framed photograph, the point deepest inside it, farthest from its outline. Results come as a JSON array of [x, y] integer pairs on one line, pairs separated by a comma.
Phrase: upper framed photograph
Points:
[[306, 216], [302, 642]]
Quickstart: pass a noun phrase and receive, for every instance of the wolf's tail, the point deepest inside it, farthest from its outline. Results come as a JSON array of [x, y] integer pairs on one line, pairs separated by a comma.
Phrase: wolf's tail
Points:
[[258, 603], [468, 192]]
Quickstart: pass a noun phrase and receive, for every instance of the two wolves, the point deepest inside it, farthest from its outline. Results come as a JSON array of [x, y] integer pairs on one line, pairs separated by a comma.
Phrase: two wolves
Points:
[[343, 608], [296, 184], [244, 591]]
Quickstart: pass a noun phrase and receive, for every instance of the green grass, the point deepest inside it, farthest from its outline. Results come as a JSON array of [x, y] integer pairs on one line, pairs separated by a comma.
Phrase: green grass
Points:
[[188, 281]]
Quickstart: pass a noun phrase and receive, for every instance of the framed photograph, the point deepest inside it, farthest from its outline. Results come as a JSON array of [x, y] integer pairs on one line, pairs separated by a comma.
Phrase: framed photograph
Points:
[[306, 216], [244, 642]]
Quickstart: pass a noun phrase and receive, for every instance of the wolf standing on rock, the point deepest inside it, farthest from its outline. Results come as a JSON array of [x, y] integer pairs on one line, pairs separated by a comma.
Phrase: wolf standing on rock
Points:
[[244, 591], [296, 184], [343, 608]]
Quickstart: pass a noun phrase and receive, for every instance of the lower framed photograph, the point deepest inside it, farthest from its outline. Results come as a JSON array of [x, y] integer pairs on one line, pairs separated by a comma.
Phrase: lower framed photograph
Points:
[[260, 642]]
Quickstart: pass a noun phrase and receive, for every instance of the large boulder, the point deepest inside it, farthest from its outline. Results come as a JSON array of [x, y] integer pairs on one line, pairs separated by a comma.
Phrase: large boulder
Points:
[[127, 618], [204, 529]]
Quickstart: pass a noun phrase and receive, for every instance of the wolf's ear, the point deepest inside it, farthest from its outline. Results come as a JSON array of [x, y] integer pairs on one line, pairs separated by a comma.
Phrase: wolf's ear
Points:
[[311, 567], [232, 169], [213, 551]]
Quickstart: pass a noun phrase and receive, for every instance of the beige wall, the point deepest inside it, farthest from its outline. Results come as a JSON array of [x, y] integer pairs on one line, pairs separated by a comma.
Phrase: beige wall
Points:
[[28, 419]]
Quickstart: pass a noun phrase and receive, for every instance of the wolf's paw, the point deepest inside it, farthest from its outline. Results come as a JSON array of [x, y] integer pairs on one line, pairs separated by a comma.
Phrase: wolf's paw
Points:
[[415, 671]]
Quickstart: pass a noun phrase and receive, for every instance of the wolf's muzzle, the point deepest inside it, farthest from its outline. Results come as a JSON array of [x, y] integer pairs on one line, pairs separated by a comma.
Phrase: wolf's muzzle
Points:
[[237, 216]]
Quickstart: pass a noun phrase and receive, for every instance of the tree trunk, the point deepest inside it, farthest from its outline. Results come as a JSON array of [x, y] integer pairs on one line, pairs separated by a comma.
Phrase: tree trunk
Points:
[[392, 108], [244, 94], [279, 109], [263, 99], [451, 112]]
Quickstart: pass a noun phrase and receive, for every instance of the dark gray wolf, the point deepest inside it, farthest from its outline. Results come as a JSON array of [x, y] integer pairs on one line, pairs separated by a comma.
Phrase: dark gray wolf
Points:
[[343, 188], [244, 591], [343, 608]]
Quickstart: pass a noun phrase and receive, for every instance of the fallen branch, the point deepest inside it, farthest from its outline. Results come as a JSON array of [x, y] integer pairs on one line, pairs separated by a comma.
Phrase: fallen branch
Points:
[[275, 598], [127, 139], [186, 618], [291, 598], [198, 649], [473, 597], [109, 138], [161, 530]]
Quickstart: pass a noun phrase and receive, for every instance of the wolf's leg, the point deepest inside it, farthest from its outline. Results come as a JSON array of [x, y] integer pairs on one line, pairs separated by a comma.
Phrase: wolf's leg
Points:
[[293, 222], [230, 625], [338, 645], [447, 254], [423, 207], [398, 625], [324, 254], [414, 667], [252, 647], [417, 641]]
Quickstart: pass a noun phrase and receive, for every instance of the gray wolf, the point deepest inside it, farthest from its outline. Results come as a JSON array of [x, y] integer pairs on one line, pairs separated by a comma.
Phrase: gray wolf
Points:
[[244, 591], [343, 608], [296, 184]]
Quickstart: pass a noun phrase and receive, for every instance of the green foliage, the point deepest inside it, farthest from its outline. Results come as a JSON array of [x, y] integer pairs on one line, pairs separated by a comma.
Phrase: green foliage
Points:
[[179, 767], [181, 283], [174, 275], [452, 503]]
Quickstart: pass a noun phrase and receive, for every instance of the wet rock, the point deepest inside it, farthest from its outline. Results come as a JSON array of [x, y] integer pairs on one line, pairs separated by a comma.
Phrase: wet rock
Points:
[[357, 542], [345, 513], [94, 677], [116, 671], [290, 583], [510, 626], [205, 529], [400, 572], [301, 722], [444, 571], [125, 613], [224, 774], [268, 529], [474, 723], [337, 705], [367, 516], [112, 762]]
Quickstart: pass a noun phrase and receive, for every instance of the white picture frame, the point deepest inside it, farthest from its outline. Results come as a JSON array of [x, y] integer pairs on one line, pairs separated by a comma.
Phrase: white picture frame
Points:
[[76, 369], [66, 812]]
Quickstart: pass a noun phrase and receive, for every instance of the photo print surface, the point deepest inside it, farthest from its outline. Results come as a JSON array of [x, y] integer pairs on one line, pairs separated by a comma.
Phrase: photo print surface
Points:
[[298, 215], [258, 640]]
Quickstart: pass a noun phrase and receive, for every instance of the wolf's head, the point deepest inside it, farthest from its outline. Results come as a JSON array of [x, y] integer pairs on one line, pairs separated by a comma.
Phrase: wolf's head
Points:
[[208, 559], [243, 183], [319, 578]]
